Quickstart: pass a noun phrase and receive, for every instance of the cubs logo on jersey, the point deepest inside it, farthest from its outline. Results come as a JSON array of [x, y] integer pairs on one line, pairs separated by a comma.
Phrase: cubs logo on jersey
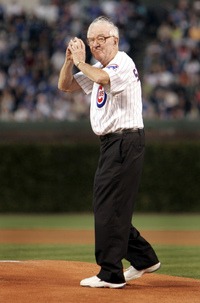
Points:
[[101, 96]]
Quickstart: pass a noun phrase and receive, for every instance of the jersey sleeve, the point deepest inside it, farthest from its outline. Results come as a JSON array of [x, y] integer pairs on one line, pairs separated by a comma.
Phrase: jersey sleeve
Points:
[[121, 71], [85, 83]]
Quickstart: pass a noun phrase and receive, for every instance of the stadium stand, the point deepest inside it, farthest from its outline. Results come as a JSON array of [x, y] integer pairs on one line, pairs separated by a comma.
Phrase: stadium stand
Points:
[[163, 40]]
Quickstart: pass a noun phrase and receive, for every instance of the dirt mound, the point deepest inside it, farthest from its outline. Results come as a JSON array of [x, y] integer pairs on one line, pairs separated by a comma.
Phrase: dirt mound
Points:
[[58, 282]]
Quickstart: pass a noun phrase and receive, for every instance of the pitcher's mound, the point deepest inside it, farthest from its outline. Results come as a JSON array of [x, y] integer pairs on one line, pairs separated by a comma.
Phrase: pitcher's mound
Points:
[[58, 282]]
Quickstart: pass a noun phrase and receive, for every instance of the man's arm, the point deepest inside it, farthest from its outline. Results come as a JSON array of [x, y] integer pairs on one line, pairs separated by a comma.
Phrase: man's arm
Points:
[[66, 81], [93, 73]]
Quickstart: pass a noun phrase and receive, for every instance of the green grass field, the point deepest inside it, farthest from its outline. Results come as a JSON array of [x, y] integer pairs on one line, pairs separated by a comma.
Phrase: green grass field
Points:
[[176, 260], [85, 221]]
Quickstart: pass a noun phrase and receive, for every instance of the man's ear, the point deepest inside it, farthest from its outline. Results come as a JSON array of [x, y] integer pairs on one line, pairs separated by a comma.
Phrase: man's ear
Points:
[[116, 41]]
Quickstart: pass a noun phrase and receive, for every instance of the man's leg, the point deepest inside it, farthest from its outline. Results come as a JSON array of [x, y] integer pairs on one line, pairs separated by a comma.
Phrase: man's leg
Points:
[[115, 189], [140, 253]]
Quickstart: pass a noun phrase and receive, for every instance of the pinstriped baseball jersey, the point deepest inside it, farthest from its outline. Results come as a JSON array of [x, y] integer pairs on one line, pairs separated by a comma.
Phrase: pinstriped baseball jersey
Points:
[[118, 105]]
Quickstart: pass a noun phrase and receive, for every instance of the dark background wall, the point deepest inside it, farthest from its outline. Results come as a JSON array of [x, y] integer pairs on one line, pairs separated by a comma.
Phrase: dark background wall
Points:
[[50, 168]]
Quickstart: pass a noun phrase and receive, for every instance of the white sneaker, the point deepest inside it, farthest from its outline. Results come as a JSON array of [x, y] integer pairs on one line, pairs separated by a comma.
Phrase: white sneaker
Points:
[[96, 282], [132, 273]]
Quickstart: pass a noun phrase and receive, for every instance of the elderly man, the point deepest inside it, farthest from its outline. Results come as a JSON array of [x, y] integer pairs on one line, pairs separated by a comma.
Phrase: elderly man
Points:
[[116, 117]]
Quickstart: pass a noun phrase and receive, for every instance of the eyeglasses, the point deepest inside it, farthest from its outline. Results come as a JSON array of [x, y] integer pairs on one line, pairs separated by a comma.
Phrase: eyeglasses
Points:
[[99, 39]]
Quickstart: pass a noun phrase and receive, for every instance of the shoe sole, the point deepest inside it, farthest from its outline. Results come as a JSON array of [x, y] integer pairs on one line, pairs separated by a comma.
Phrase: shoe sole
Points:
[[105, 285]]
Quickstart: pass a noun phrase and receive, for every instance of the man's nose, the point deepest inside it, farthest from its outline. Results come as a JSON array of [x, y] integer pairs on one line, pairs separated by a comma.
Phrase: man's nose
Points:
[[95, 43]]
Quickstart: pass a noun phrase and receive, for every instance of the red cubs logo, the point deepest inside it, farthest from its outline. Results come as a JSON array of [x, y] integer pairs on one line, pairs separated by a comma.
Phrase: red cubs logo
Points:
[[101, 97]]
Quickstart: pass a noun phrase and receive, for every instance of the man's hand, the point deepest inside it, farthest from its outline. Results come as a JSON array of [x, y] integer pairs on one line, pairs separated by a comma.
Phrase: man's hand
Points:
[[77, 49], [69, 56]]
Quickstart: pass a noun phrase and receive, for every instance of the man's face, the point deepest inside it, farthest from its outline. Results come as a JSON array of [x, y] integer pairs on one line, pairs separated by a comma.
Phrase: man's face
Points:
[[102, 44]]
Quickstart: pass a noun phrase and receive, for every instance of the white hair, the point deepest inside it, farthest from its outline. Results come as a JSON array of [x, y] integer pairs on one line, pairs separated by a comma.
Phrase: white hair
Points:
[[102, 19]]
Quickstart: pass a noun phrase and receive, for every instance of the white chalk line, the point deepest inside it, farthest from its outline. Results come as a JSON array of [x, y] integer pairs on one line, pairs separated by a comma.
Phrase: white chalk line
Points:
[[10, 261]]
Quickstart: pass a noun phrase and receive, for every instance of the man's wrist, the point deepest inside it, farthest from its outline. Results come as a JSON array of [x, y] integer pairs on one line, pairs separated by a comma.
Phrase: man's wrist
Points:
[[79, 62]]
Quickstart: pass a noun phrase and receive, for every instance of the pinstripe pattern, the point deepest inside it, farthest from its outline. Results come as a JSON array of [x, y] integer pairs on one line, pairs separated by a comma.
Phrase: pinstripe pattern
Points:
[[119, 105]]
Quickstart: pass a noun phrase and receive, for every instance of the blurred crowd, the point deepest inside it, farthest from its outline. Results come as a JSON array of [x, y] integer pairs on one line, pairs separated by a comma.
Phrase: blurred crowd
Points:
[[32, 51], [172, 64]]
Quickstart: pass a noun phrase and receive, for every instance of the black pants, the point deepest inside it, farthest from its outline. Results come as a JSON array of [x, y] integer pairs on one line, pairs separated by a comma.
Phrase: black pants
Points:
[[115, 189]]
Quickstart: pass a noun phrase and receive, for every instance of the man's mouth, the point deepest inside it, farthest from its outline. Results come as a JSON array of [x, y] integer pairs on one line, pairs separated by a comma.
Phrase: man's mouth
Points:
[[97, 50]]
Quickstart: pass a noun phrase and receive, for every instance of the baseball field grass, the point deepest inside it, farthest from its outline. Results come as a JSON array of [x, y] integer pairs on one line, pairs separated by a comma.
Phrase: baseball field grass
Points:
[[177, 260], [85, 221]]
